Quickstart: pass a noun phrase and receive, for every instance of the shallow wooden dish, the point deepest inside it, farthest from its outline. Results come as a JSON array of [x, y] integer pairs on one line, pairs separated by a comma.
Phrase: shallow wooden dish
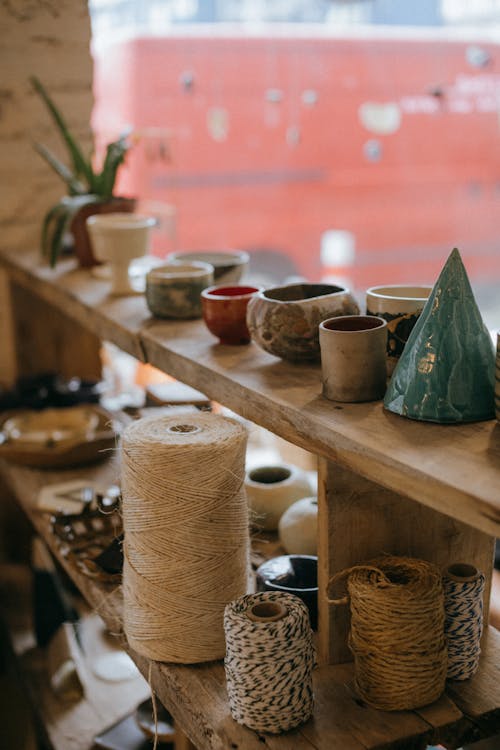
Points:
[[82, 448]]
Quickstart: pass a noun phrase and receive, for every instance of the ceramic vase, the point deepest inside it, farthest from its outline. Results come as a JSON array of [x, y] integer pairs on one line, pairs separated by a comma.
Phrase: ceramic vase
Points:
[[298, 527], [271, 490]]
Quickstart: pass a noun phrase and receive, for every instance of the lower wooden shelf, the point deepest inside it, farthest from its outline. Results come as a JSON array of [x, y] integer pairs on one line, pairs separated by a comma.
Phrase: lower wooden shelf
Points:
[[196, 695]]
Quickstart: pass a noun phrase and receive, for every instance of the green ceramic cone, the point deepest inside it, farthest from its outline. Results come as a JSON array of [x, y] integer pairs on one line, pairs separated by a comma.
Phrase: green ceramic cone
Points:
[[447, 370]]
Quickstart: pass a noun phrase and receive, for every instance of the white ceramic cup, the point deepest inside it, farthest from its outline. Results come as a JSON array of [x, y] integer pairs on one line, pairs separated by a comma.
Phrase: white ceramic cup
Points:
[[353, 358], [117, 239], [400, 305]]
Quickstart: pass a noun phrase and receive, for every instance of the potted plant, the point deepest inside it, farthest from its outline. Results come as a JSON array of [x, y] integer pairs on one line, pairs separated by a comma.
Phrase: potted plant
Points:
[[90, 190]]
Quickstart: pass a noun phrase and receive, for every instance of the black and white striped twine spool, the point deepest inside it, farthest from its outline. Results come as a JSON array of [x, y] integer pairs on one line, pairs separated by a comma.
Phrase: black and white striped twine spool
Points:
[[463, 600], [269, 662]]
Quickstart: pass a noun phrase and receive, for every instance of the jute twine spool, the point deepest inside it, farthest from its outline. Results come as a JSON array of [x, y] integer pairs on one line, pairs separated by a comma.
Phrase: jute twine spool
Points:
[[397, 631], [463, 603], [186, 545], [269, 661]]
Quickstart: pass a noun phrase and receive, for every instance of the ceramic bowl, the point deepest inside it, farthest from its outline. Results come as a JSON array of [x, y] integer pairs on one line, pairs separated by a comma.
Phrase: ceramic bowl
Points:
[[229, 266], [173, 290], [295, 574], [224, 312], [284, 320]]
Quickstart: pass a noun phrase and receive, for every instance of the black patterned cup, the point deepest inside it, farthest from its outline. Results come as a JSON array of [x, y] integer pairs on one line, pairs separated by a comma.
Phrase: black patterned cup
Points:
[[400, 306]]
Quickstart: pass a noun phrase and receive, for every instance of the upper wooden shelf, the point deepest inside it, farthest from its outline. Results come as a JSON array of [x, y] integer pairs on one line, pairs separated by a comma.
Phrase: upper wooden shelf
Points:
[[454, 469]]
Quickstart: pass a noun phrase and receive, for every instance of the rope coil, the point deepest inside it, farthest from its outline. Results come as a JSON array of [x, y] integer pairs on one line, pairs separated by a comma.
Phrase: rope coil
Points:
[[463, 601], [186, 547], [269, 661], [397, 631]]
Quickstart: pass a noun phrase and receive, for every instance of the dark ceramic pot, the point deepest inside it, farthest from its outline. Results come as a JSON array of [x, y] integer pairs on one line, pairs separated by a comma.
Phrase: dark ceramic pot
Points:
[[224, 312], [82, 246], [293, 574]]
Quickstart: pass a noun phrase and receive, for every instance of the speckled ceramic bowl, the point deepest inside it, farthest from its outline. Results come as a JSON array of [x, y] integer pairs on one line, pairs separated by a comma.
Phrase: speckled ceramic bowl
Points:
[[229, 265], [173, 290], [284, 320]]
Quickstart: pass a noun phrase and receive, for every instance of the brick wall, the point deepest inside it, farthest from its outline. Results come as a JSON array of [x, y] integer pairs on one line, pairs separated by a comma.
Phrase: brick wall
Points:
[[49, 38]]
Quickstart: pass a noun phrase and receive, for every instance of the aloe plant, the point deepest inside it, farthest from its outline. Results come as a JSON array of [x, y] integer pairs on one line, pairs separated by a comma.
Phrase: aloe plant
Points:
[[84, 183]]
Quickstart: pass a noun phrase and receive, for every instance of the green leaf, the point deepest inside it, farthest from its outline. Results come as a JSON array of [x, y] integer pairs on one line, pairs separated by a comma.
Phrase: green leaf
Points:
[[74, 185], [81, 165], [115, 156]]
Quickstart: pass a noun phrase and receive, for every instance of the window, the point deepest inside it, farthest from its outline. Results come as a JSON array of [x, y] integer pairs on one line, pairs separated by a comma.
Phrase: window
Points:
[[353, 140]]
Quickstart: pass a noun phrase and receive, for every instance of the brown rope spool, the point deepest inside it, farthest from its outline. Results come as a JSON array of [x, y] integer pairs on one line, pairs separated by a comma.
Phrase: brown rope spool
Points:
[[397, 631]]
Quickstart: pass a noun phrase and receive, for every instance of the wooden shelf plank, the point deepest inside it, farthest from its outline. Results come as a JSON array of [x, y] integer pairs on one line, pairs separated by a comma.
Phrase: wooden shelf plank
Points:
[[450, 468], [196, 695]]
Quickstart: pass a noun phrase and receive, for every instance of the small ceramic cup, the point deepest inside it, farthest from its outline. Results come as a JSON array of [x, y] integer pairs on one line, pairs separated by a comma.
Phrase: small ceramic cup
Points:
[[400, 306], [353, 358], [173, 290], [224, 312], [497, 380]]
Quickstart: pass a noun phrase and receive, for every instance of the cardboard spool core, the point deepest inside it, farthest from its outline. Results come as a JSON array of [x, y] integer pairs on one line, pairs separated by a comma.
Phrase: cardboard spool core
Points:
[[267, 612], [462, 572], [184, 428]]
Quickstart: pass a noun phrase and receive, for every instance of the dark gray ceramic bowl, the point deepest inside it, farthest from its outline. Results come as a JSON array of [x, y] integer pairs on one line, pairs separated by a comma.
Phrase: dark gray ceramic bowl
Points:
[[294, 574], [229, 265]]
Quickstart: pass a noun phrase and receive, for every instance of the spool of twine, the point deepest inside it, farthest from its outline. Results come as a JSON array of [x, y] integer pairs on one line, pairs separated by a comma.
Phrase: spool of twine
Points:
[[186, 546], [397, 631], [463, 602], [269, 661]]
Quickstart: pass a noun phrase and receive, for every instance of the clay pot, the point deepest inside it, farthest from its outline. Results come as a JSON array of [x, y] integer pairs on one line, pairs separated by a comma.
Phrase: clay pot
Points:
[[82, 245], [284, 320]]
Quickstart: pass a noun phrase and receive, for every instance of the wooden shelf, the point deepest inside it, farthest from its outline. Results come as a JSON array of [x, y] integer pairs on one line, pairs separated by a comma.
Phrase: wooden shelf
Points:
[[450, 468], [385, 484]]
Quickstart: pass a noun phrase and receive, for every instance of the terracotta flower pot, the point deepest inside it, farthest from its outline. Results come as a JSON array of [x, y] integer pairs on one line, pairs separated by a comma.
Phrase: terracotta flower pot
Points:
[[82, 246]]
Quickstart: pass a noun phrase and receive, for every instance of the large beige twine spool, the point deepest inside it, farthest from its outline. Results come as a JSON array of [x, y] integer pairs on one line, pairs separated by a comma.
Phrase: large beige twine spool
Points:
[[397, 631], [186, 545]]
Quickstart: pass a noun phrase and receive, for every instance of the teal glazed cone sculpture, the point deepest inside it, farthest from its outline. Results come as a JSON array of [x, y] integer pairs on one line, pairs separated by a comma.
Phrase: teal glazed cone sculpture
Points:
[[446, 373]]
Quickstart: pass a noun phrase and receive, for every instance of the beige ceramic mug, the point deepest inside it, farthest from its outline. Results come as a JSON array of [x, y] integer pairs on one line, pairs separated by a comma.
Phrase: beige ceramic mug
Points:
[[353, 358], [400, 306]]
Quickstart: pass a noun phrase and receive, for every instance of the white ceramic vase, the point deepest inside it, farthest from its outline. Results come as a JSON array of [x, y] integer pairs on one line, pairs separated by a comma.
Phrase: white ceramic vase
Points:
[[271, 490]]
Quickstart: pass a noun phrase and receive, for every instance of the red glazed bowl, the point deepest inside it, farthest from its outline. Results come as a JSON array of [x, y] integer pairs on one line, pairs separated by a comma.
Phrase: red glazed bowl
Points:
[[225, 310]]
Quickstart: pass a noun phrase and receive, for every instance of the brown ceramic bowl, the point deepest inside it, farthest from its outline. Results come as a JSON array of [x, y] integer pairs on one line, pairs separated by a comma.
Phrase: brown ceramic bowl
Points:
[[225, 309]]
